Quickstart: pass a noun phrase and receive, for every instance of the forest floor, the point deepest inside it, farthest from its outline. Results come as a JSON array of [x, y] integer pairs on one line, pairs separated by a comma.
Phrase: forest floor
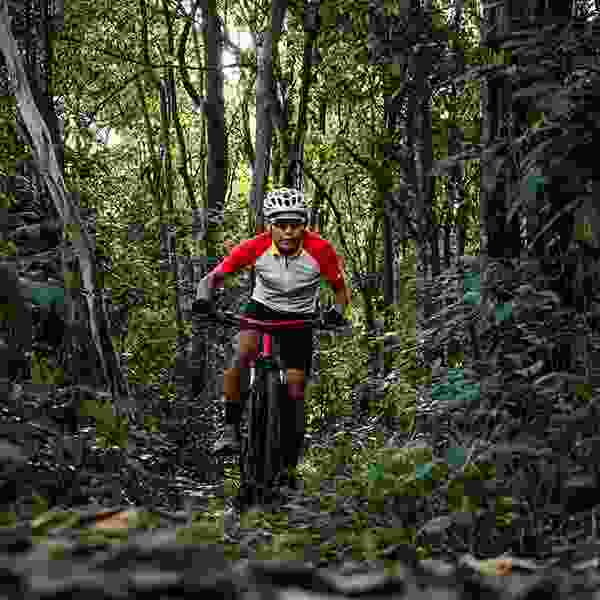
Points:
[[99, 508]]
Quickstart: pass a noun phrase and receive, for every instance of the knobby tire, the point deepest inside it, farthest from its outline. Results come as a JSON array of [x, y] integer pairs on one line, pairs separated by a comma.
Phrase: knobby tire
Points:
[[262, 457], [250, 463], [274, 438]]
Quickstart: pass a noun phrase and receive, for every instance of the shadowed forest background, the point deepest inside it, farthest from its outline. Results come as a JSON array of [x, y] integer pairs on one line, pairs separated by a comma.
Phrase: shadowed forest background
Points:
[[449, 153]]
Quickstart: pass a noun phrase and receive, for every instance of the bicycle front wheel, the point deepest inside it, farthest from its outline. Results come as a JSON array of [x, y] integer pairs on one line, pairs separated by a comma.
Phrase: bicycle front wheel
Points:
[[262, 457], [274, 451]]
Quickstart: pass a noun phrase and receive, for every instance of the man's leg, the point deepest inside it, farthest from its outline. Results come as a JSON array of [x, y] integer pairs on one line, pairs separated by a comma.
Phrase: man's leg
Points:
[[296, 385], [245, 351]]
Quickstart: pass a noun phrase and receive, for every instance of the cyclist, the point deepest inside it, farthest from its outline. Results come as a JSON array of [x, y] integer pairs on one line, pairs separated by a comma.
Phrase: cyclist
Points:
[[289, 262]]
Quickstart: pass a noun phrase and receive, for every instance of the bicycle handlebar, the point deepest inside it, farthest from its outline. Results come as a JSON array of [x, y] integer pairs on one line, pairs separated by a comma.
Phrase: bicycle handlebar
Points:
[[230, 318]]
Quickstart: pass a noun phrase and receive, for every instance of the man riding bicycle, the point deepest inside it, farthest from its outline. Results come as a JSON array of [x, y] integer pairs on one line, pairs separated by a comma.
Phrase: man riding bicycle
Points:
[[289, 262]]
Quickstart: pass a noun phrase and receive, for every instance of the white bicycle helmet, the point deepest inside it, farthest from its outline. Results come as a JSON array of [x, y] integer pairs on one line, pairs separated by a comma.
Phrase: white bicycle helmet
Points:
[[285, 203]]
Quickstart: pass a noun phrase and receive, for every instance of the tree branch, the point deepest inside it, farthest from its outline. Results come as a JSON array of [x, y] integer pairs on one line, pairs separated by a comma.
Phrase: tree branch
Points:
[[336, 212], [198, 101], [133, 61]]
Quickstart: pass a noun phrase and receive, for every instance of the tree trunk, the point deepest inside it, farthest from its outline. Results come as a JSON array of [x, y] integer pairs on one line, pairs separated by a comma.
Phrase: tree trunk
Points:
[[215, 115], [248, 148], [48, 165], [391, 121], [169, 113], [216, 163], [295, 167], [265, 42], [456, 226], [419, 143], [182, 158], [388, 259]]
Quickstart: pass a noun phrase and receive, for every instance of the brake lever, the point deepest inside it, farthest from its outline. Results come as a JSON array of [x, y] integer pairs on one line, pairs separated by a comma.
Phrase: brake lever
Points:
[[343, 330]]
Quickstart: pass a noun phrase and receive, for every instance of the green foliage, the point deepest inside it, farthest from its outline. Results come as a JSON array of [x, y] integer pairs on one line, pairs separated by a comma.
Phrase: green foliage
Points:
[[472, 285], [456, 390], [456, 456], [7, 247], [39, 505], [465, 497], [584, 392], [52, 519], [151, 342], [111, 430], [151, 424], [46, 295], [504, 511], [8, 519], [347, 161], [11, 150], [43, 373], [331, 396]]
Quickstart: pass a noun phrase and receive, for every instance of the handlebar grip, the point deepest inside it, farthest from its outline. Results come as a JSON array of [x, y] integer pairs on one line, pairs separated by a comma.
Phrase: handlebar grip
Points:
[[201, 307], [341, 328]]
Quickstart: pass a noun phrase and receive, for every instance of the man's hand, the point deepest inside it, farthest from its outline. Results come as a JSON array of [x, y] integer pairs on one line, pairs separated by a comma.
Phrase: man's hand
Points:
[[202, 308], [334, 317]]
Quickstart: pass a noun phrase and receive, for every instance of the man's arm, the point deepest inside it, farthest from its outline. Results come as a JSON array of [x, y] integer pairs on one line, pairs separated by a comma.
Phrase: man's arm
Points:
[[238, 257], [342, 295], [342, 298], [208, 283]]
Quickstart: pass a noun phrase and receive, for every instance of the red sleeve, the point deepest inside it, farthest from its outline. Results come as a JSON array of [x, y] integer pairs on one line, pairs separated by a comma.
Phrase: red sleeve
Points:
[[331, 266], [242, 255]]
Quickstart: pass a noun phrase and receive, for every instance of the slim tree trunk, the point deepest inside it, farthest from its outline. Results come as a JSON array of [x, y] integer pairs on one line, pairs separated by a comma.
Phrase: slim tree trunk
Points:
[[216, 163], [420, 158], [265, 41], [215, 113], [168, 114], [182, 158]]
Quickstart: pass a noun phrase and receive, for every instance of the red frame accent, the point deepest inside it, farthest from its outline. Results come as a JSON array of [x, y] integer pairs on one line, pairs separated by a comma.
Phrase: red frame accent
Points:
[[264, 326]]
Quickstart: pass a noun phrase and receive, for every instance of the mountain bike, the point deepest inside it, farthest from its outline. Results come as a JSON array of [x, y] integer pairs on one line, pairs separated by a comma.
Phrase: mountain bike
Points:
[[262, 447]]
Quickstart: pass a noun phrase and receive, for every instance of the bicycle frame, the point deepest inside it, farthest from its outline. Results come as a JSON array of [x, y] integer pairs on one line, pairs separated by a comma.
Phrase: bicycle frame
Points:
[[268, 342]]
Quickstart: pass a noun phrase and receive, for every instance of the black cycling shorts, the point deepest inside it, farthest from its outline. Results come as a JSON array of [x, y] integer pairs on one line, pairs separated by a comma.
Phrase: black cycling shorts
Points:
[[296, 345]]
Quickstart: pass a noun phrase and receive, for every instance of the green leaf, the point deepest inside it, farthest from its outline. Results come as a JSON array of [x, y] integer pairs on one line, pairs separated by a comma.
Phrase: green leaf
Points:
[[472, 298], [41, 373], [375, 472], [441, 389], [472, 281], [8, 248], [52, 519], [584, 232], [7, 519], [48, 295], [583, 391], [456, 456], [39, 505], [455, 374], [503, 311], [424, 471], [536, 183]]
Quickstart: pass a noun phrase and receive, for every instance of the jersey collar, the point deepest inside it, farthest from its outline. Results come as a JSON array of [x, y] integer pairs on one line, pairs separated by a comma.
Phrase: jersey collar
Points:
[[275, 250]]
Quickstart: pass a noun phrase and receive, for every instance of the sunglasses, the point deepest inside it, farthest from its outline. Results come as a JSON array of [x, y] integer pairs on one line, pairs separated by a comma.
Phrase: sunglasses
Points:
[[283, 225]]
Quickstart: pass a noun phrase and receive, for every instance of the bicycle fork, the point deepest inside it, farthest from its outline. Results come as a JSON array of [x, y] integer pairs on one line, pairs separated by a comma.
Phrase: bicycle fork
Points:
[[282, 374]]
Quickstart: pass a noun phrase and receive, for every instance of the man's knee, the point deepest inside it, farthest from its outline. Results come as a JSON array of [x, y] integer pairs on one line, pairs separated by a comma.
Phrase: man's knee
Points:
[[296, 384], [245, 350]]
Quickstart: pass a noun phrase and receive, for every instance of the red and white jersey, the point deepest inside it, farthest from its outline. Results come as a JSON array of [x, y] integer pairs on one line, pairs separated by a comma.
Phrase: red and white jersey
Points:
[[286, 283]]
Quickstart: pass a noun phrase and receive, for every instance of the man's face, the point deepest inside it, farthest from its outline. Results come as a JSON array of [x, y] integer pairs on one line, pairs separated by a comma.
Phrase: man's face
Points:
[[287, 235]]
